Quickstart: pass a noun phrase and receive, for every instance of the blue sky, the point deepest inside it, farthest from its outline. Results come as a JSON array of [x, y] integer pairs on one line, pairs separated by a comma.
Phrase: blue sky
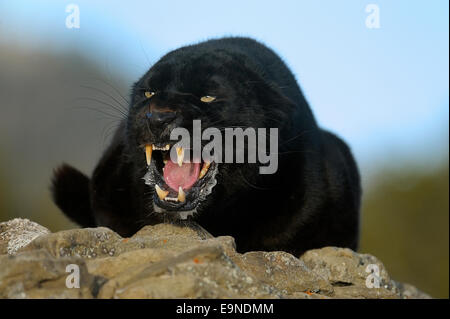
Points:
[[385, 91]]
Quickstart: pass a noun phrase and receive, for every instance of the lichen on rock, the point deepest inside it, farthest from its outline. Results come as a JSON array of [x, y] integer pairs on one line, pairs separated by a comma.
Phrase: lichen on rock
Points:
[[18, 233], [172, 261]]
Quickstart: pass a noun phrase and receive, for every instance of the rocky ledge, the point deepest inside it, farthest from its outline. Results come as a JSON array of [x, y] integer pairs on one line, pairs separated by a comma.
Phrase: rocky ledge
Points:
[[168, 261]]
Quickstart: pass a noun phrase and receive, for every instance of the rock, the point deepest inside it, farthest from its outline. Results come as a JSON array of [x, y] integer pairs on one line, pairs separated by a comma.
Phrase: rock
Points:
[[37, 274], [348, 272], [172, 261], [283, 271], [18, 233]]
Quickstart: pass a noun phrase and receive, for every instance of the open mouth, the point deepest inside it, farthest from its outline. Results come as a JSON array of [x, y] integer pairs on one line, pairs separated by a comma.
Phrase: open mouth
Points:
[[178, 186]]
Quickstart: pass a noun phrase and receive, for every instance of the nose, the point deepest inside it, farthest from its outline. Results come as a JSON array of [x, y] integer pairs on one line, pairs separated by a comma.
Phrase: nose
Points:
[[157, 117]]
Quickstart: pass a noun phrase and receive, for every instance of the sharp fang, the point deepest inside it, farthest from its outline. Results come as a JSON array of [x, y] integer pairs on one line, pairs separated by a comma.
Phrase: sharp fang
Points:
[[180, 156], [161, 194], [167, 147], [181, 195], [148, 153], [204, 170]]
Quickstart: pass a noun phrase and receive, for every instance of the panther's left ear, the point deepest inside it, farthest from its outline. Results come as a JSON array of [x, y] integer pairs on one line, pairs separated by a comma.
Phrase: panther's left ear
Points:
[[277, 104]]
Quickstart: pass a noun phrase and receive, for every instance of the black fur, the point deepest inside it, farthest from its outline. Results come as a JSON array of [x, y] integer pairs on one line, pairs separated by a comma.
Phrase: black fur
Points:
[[312, 201], [70, 190]]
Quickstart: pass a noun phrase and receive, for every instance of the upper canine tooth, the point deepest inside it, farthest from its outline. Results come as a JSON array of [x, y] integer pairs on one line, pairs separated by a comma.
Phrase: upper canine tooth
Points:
[[167, 147], [161, 194], [180, 156], [181, 195], [148, 153], [204, 170]]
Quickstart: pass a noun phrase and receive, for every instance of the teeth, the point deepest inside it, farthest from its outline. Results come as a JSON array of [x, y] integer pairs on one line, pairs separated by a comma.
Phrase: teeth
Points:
[[162, 148], [161, 194], [181, 195], [148, 153], [180, 156], [204, 170]]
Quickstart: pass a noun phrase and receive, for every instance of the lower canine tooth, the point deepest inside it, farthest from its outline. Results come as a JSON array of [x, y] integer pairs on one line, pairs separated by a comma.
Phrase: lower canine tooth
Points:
[[148, 153], [161, 194], [181, 195], [204, 170]]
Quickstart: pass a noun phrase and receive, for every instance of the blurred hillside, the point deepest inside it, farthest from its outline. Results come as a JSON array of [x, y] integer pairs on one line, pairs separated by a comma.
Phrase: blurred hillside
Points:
[[53, 106], [405, 222], [61, 107]]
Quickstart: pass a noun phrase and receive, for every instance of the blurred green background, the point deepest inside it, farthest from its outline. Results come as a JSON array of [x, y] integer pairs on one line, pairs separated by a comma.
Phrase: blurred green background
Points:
[[405, 224], [384, 91]]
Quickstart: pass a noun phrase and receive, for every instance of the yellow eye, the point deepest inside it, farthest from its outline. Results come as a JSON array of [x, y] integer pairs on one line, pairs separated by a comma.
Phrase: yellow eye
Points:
[[207, 99], [149, 94]]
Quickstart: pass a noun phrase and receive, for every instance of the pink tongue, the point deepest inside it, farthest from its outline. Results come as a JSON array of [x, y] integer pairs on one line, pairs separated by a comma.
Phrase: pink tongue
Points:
[[184, 176]]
